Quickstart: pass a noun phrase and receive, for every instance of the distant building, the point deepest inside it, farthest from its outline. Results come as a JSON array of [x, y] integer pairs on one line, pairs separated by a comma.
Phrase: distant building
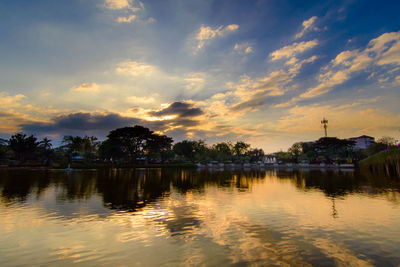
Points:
[[269, 159], [362, 142]]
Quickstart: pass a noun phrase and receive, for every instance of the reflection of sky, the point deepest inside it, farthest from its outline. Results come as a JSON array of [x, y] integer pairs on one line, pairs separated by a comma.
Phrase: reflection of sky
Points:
[[273, 222], [262, 71]]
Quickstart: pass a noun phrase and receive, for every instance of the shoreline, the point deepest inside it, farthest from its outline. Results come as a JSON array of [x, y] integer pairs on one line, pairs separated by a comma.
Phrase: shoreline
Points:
[[198, 166]]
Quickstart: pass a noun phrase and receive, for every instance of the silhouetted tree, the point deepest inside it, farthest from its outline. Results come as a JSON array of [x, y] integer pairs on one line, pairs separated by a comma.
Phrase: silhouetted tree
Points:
[[295, 151], [329, 149], [131, 142], [3, 149], [240, 148], [223, 151], [23, 146], [191, 150], [255, 155], [157, 145], [111, 150], [45, 150], [73, 143]]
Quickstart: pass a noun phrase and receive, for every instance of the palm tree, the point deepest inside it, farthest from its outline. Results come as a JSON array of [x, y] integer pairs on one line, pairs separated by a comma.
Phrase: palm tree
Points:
[[47, 151]]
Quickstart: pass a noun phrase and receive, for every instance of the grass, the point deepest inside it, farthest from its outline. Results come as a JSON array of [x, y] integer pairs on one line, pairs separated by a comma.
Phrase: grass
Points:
[[387, 162]]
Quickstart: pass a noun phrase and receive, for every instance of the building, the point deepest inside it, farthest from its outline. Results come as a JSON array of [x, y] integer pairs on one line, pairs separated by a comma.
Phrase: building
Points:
[[269, 159], [362, 142]]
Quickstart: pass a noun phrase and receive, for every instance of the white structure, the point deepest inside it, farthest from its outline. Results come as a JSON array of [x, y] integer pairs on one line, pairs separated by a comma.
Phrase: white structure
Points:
[[269, 159], [362, 142]]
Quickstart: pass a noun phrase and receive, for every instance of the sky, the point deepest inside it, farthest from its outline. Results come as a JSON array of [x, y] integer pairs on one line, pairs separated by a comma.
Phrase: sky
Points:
[[265, 72]]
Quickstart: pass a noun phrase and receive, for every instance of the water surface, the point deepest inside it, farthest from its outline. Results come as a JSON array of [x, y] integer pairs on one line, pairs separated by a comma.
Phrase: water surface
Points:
[[152, 217]]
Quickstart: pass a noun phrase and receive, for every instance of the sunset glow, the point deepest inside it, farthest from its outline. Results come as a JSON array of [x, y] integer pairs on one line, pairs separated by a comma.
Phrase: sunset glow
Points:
[[261, 71]]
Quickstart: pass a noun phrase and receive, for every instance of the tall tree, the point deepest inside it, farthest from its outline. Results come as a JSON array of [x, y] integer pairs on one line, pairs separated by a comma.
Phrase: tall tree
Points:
[[158, 147], [110, 150], [158, 143], [223, 151], [3, 149], [295, 151], [191, 150], [23, 146], [46, 151], [255, 154], [186, 149], [240, 148], [73, 143], [132, 141]]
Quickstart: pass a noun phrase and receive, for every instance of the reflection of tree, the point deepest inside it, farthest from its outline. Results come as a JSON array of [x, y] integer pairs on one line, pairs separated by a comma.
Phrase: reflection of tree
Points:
[[16, 185], [76, 185], [332, 183], [336, 183], [131, 189], [335, 213], [188, 180]]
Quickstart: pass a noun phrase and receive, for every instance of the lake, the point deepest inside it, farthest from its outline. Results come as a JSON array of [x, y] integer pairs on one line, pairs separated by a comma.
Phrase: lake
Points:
[[175, 217]]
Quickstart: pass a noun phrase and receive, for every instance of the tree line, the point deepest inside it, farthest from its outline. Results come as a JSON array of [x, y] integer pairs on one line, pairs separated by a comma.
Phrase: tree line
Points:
[[332, 150], [123, 146]]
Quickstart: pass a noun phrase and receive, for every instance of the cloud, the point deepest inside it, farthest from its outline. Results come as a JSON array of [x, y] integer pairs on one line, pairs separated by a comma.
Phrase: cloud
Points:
[[383, 50], [126, 19], [86, 87], [249, 94], [9, 102], [184, 116], [122, 4], [292, 50], [206, 33], [308, 25], [79, 123], [117, 4], [179, 109], [195, 81], [10, 122], [134, 68], [128, 7], [14, 111], [141, 99], [243, 48]]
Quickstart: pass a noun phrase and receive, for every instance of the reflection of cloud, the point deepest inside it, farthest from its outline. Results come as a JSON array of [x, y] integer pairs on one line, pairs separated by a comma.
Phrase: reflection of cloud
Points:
[[183, 220], [342, 255], [274, 223]]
